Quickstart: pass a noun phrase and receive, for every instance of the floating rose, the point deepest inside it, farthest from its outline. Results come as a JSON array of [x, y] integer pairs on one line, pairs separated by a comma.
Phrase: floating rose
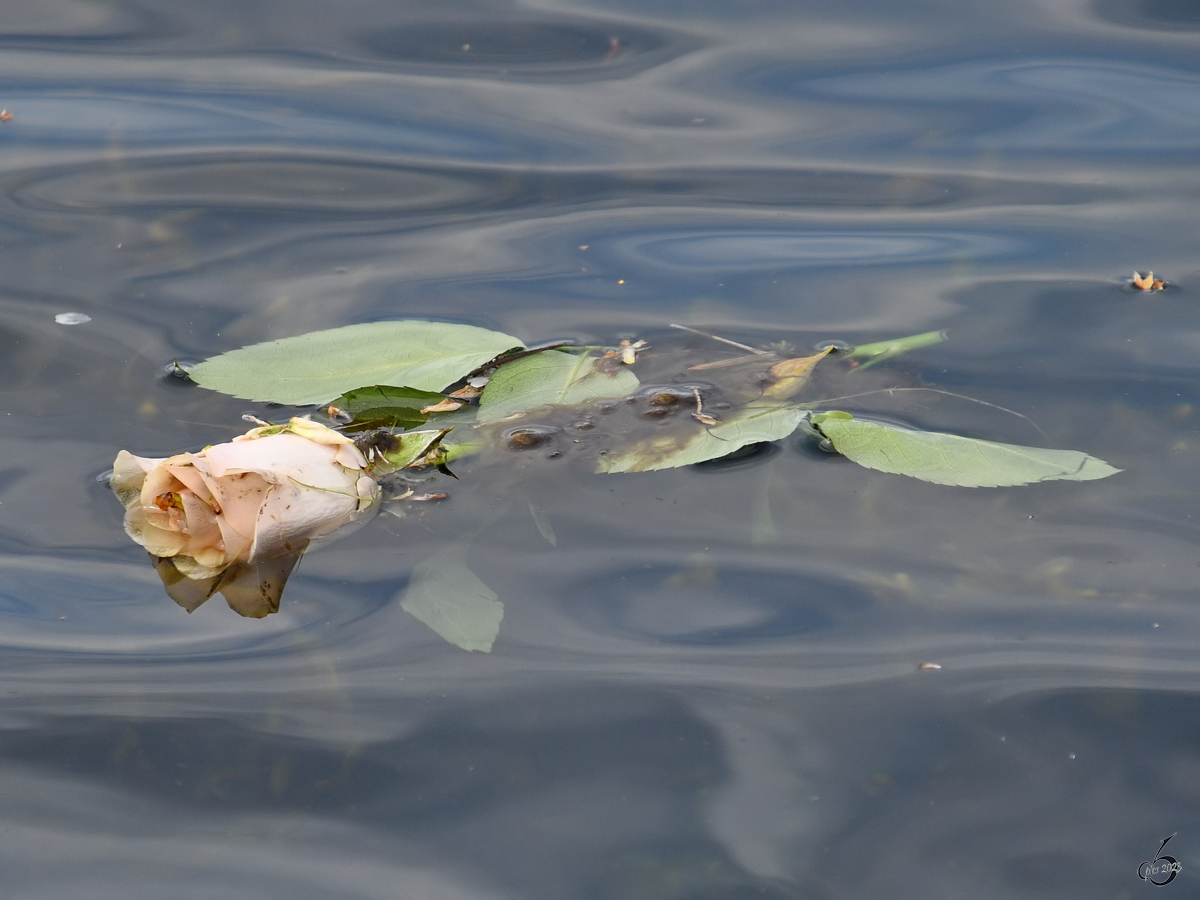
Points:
[[236, 517]]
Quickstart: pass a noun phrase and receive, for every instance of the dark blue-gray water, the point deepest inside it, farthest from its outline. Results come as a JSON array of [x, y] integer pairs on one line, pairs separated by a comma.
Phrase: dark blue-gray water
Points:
[[709, 688]]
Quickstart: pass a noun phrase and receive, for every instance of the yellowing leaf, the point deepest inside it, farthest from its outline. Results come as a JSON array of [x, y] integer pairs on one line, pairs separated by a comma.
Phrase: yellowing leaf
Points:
[[747, 426], [791, 375]]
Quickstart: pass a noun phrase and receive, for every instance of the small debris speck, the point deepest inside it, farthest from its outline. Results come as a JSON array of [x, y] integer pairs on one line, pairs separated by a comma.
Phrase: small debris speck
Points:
[[929, 666]]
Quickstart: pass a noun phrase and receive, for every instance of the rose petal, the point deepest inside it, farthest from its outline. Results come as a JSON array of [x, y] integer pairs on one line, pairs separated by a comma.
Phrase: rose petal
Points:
[[368, 492], [192, 479], [295, 513], [129, 474], [205, 543], [158, 541], [237, 499], [268, 456]]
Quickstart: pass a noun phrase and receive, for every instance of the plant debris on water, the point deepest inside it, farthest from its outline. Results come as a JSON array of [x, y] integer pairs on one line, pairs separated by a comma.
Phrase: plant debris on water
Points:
[[421, 394]]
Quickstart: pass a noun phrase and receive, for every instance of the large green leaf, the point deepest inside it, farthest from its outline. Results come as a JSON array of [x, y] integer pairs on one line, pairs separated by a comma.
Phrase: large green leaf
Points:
[[747, 426], [551, 378], [951, 459], [316, 367], [449, 598], [381, 406]]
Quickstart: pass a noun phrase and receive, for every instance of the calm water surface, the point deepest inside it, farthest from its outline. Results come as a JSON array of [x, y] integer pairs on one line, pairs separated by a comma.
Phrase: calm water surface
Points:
[[709, 687]]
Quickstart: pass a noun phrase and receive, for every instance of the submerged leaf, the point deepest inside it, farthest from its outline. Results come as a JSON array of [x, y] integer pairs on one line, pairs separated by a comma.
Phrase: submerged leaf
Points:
[[881, 350], [551, 378], [448, 597], [952, 459], [316, 367], [544, 526], [383, 406], [748, 426]]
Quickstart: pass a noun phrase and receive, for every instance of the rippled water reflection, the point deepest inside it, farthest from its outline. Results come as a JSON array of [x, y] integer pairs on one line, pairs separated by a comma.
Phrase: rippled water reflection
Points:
[[709, 686]]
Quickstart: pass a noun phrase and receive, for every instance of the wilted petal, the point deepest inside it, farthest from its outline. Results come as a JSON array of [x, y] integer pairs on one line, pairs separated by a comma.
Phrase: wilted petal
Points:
[[347, 453], [205, 542], [254, 589], [350, 456], [192, 479], [129, 474], [187, 592], [295, 513], [312, 494], [236, 500], [158, 541], [159, 481], [368, 492], [316, 432], [269, 456]]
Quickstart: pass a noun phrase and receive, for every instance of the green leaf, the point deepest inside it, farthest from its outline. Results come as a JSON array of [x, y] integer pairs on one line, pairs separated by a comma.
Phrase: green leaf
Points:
[[411, 447], [448, 597], [551, 378], [316, 367], [382, 406], [747, 426], [881, 350], [951, 459]]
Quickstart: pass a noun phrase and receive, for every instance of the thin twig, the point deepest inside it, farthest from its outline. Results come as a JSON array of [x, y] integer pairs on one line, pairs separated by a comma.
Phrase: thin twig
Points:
[[721, 339], [528, 351], [1005, 409]]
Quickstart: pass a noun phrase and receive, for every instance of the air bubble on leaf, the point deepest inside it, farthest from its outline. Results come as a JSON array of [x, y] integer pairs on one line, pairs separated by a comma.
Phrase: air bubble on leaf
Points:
[[72, 318]]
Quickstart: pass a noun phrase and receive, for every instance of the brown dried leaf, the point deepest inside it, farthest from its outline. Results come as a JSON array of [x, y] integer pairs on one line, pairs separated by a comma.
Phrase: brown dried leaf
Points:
[[445, 406], [1149, 283]]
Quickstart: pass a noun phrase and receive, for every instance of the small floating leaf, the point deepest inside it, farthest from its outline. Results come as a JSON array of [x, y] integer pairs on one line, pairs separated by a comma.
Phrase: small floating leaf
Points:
[[551, 378], [881, 350], [952, 459], [316, 367], [443, 405], [791, 375], [1148, 283], [383, 406], [448, 597], [413, 448], [748, 426]]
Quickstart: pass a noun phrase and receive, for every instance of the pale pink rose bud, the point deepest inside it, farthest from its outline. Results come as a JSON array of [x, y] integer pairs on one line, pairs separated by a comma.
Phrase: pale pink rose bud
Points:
[[235, 517]]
